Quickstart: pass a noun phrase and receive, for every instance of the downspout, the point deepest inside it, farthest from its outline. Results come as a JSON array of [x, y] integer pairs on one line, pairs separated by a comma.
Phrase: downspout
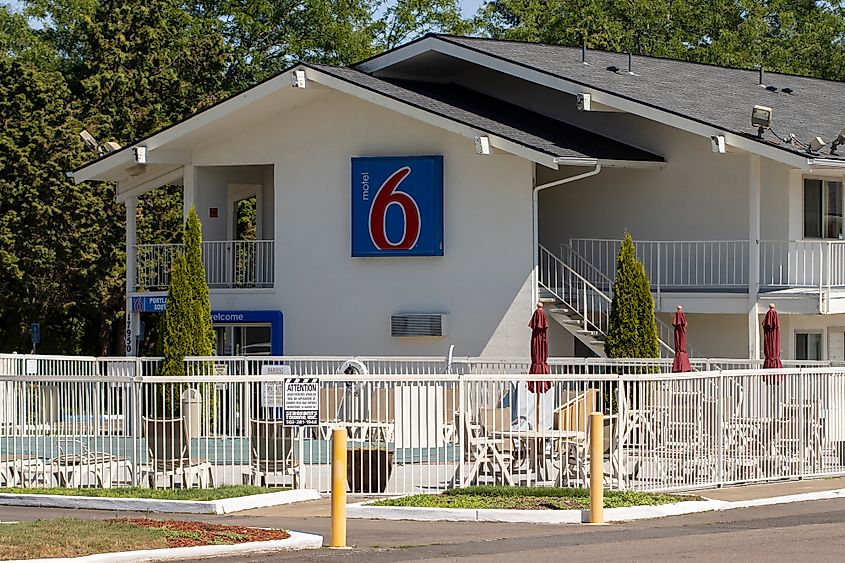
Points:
[[535, 222]]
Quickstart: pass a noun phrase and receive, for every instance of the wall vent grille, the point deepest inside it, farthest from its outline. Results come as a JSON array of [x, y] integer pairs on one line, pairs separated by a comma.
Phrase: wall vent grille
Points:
[[417, 324]]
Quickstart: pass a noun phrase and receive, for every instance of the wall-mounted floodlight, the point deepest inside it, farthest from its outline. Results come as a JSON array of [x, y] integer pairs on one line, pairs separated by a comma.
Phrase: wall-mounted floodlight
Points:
[[111, 146], [839, 140], [482, 144], [761, 118], [297, 78], [89, 140], [140, 154], [584, 102], [717, 143], [816, 143]]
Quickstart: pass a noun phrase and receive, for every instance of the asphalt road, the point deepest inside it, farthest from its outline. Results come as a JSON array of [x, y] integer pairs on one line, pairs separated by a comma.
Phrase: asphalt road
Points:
[[811, 531]]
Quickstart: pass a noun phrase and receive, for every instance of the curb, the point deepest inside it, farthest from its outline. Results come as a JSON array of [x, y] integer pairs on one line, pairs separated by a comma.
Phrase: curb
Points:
[[222, 506], [296, 541], [363, 511]]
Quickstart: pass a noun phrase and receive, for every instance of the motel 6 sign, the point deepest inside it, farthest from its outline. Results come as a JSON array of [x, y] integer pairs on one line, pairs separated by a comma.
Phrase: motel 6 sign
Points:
[[397, 206]]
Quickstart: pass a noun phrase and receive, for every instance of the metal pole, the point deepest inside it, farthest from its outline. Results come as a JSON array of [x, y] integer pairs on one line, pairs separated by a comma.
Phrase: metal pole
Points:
[[338, 488], [596, 468]]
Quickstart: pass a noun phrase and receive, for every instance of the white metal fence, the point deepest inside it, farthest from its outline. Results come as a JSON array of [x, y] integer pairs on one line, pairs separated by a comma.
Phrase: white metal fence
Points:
[[228, 264], [413, 427]]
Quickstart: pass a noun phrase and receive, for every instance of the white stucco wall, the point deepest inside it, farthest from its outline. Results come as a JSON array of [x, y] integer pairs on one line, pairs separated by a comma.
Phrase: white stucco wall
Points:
[[335, 304]]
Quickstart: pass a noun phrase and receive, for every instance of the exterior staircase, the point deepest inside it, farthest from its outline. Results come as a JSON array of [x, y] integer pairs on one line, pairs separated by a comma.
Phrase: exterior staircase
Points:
[[577, 296]]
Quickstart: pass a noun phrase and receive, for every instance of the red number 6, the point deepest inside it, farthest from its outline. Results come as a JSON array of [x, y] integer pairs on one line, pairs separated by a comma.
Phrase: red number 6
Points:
[[388, 194]]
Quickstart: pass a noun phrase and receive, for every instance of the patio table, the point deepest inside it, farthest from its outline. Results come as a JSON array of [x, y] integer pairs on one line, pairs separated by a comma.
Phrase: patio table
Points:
[[541, 446]]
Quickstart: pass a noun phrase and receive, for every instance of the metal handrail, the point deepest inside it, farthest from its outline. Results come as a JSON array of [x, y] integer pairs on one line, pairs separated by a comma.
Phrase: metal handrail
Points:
[[568, 271]]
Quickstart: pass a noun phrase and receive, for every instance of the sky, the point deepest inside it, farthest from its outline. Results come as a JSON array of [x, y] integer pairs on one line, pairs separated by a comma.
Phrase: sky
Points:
[[469, 7]]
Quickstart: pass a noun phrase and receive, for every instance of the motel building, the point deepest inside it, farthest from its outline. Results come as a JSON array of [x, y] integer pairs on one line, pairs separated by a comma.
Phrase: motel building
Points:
[[431, 195]]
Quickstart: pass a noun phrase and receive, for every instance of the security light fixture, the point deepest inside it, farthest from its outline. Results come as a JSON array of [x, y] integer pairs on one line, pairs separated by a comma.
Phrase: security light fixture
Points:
[[482, 144], [761, 118], [140, 154], [584, 102], [839, 140], [297, 78], [815, 144], [111, 146], [717, 143], [89, 140]]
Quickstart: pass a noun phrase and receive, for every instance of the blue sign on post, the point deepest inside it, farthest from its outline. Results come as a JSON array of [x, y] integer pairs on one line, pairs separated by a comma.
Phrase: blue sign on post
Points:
[[397, 206], [35, 333], [155, 304]]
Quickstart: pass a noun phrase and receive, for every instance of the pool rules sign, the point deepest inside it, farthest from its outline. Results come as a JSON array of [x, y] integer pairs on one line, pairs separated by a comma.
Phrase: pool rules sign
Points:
[[302, 401]]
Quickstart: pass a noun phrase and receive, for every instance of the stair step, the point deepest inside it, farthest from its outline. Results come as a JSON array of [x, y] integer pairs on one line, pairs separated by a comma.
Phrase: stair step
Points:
[[566, 312], [597, 342], [588, 332]]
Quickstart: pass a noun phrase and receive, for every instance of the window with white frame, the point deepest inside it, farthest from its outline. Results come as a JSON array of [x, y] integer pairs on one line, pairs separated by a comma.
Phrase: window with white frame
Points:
[[808, 346], [823, 204]]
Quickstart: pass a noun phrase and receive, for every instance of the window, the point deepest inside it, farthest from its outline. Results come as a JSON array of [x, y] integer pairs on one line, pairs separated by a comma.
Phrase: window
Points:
[[808, 346], [823, 205]]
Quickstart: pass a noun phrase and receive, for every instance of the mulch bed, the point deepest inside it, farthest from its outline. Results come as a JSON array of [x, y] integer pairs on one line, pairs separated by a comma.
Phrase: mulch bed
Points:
[[182, 533]]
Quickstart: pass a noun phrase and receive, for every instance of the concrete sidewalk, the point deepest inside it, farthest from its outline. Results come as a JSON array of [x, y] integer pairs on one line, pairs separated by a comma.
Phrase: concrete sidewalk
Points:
[[777, 489], [313, 517]]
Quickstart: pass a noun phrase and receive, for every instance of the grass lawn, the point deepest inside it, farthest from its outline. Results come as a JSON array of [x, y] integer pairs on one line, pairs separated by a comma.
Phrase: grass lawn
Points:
[[226, 491], [530, 498], [69, 537]]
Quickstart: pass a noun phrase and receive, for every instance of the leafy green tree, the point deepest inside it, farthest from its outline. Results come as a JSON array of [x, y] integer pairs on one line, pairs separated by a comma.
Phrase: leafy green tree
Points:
[[200, 310], [795, 36], [631, 332], [61, 254]]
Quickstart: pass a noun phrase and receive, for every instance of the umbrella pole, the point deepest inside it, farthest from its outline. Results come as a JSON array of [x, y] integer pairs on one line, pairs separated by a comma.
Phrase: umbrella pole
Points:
[[537, 452]]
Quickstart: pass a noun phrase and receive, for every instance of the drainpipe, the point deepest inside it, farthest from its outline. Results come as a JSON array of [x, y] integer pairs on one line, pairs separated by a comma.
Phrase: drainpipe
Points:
[[535, 222]]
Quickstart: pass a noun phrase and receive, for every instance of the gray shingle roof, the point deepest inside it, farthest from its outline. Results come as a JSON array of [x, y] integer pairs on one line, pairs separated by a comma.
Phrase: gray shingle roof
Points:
[[718, 96], [497, 118]]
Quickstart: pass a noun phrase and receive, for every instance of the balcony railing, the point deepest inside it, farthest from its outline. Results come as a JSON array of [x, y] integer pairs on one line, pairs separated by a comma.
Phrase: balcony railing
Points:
[[228, 264], [724, 264]]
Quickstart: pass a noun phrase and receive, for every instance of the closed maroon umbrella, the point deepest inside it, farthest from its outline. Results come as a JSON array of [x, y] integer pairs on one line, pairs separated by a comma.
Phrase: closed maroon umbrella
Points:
[[539, 357], [539, 350], [771, 339], [681, 362]]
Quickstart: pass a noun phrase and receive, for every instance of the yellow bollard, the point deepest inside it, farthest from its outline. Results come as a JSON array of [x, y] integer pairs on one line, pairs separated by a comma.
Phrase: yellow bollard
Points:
[[596, 468], [338, 488]]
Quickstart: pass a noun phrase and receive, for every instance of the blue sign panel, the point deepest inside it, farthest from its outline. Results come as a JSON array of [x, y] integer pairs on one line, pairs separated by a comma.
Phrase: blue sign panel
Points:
[[149, 304], [35, 333], [397, 206]]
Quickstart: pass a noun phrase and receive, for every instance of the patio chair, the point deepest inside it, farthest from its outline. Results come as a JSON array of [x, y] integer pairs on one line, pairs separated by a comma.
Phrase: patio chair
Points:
[[169, 450], [331, 402], [271, 452], [486, 454], [380, 424], [90, 468], [450, 410], [23, 470], [798, 437], [574, 416]]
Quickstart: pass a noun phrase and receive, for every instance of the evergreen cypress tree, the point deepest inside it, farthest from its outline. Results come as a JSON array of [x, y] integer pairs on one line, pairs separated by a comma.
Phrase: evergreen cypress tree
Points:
[[631, 332], [178, 328], [203, 333]]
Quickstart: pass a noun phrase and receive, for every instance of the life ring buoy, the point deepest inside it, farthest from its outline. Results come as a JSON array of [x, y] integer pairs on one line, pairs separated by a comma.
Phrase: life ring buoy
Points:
[[353, 367]]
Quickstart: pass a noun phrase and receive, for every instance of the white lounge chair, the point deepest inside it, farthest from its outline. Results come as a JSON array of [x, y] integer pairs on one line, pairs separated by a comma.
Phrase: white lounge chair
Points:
[[169, 449]]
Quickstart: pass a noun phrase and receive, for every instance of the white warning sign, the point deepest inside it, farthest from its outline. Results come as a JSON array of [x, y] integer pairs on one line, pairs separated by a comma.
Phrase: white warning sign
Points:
[[302, 401]]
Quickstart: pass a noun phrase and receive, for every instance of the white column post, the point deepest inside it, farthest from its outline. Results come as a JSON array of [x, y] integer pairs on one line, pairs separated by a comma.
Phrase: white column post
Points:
[[189, 190], [754, 189], [133, 319]]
